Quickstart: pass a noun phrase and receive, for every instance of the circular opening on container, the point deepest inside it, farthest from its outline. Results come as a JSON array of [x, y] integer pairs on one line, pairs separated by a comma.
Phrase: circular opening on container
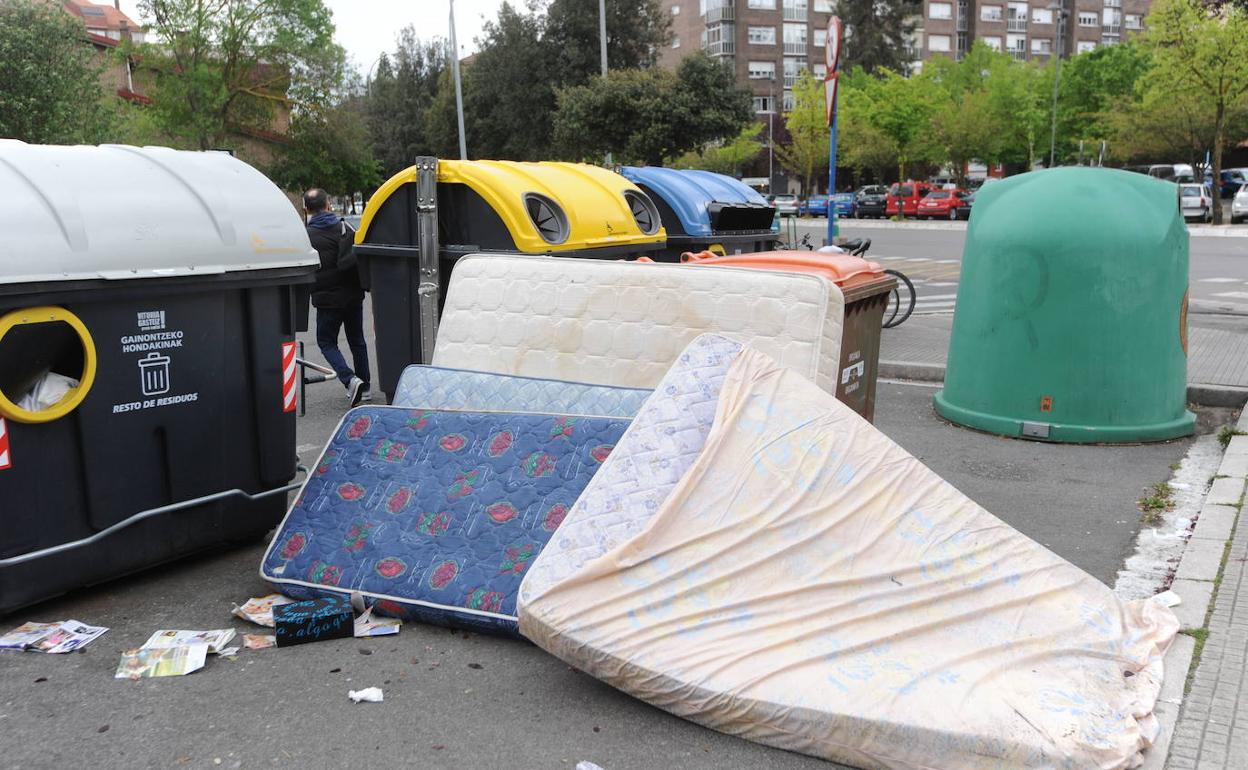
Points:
[[47, 364], [548, 217], [644, 212]]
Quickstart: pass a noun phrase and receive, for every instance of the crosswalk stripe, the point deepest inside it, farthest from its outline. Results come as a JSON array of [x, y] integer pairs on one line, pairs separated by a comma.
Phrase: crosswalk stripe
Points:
[[1220, 280]]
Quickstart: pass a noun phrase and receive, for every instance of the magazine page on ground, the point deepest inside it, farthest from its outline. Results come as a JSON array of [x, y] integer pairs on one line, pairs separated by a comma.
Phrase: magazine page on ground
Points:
[[809, 585]]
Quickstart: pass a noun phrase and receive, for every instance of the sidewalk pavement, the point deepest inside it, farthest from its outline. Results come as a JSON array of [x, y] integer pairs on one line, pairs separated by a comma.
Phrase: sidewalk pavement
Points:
[[1194, 230], [1217, 364], [1212, 580]]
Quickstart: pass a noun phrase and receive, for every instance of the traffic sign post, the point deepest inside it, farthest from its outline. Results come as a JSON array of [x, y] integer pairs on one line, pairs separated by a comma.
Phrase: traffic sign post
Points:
[[832, 58]]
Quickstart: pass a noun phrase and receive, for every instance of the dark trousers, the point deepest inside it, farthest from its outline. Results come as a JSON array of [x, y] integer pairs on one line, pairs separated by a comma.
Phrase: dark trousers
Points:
[[328, 321]]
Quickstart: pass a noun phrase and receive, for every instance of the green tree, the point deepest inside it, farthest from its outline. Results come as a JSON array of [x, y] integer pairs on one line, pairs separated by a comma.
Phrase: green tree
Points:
[[902, 109], [1019, 97], [729, 157], [859, 144], [397, 99], [877, 33], [225, 65], [806, 152], [1094, 85], [650, 114], [50, 88], [1203, 51], [1161, 124], [636, 31], [330, 149]]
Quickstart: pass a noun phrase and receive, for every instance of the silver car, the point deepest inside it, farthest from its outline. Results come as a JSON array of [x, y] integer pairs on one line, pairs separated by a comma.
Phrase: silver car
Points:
[[786, 205], [1195, 202], [1239, 206]]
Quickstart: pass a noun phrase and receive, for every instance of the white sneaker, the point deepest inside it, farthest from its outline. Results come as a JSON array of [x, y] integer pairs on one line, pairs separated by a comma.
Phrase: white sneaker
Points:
[[366, 397], [355, 391]]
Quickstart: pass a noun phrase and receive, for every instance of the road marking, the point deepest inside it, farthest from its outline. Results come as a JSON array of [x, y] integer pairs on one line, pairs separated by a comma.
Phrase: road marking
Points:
[[947, 261], [937, 296], [919, 259], [1232, 294], [1220, 280], [943, 283]]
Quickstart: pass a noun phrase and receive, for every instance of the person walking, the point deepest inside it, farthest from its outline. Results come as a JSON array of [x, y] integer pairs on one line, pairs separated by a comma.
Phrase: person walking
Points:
[[338, 295]]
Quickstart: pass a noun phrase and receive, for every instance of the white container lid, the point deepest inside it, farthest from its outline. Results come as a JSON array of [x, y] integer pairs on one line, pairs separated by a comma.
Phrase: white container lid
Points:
[[116, 212]]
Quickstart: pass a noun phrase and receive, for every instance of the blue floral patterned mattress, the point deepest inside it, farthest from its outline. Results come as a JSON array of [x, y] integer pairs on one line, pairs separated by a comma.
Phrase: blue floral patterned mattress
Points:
[[436, 387], [435, 515]]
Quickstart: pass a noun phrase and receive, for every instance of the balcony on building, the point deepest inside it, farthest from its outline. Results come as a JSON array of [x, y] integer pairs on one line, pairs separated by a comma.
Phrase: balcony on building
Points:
[[1111, 30], [795, 48], [723, 11], [795, 10], [1113, 3], [1016, 24]]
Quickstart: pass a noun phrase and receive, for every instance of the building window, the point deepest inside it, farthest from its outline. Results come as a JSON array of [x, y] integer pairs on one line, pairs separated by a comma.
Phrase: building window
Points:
[[789, 101], [795, 38], [792, 68], [938, 42], [821, 37], [992, 42], [823, 6], [1083, 46], [1041, 45], [795, 10], [962, 44], [1016, 17], [990, 13], [762, 70], [762, 35], [675, 41], [1088, 19], [820, 71], [1016, 43], [940, 10], [766, 5], [1131, 21], [1041, 16], [763, 103]]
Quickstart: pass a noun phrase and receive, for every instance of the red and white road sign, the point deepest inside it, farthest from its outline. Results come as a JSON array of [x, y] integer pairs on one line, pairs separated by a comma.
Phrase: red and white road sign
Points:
[[289, 371], [832, 49], [6, 461], [829, 95]]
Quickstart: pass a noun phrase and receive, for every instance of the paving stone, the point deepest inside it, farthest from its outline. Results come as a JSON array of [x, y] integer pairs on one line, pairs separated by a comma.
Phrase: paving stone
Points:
[[1225, 492], [1215, 522], [1234, 465], [1195, 606], [1201, 559]]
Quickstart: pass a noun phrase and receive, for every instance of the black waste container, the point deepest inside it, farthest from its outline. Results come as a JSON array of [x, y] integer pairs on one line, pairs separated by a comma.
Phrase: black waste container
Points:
[[147, 375], [483, 206], [706, 211]]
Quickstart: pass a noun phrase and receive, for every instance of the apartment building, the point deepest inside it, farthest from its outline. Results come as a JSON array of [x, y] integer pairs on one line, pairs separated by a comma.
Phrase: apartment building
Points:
[[1031, 30], [767, 42]]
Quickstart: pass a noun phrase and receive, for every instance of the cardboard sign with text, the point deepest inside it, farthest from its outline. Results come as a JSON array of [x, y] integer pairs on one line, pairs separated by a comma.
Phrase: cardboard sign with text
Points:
[[314, 620]]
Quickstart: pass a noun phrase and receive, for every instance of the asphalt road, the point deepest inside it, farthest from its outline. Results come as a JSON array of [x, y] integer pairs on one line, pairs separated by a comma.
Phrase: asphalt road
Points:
[[932, 258], [514, 706]]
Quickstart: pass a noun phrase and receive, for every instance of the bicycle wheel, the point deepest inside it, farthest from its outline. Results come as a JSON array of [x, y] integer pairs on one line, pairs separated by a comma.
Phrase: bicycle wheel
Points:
[[901, 296]]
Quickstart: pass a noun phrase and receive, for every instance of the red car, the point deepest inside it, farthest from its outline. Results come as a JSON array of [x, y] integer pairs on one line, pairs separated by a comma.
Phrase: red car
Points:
[[904, 197], [945, 204]]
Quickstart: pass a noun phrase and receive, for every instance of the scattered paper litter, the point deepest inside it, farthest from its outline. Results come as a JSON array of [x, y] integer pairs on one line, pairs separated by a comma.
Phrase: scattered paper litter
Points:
[[367, 695], [216, 640], [59, 637], [229, 652], [1169, 598], [161, 661], [259, 641], [260, 610], [585, 764], [366, 625]]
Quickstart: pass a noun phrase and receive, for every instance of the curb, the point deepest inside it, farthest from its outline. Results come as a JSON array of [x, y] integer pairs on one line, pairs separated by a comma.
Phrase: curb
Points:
[[1201, 394], [1193, 231], [1195, 581]]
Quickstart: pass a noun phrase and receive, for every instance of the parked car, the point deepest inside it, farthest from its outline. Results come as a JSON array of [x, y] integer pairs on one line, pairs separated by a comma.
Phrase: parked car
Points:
[[904, 197], [786, 204], [871, 201], [1233, 180], [943, 204], [968, 202], [846, 204], [1239, 206], [815, 206], [1195, 202]]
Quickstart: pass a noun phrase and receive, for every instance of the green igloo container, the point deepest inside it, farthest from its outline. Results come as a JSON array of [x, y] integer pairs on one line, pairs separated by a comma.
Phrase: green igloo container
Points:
[[1071, 321]]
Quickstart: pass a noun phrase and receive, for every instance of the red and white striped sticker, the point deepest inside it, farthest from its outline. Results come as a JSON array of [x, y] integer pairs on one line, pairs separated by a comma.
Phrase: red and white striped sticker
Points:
[[288, 376], [5, 461]]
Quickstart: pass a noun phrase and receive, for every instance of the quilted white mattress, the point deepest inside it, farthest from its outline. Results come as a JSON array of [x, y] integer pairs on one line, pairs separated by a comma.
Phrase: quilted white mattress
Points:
[[624, 323]]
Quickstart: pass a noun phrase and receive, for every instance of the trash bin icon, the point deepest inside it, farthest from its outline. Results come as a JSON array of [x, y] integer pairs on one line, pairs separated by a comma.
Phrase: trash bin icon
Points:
[[154, 373]]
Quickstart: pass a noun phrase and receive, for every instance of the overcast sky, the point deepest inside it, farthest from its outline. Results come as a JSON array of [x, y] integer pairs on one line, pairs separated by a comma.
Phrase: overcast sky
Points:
[[366, 28]]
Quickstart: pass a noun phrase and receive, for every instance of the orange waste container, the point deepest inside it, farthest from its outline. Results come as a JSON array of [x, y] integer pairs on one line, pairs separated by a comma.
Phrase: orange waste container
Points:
[[866, 288]]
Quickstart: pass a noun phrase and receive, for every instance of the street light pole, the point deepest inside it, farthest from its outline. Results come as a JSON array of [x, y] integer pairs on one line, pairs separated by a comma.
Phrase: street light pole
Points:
[[459, 93], [602, 49], [1062, 15], [771, 119]]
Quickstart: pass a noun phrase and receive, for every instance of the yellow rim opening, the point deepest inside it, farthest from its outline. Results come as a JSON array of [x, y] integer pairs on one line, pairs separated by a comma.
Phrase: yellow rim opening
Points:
[[47, 314]]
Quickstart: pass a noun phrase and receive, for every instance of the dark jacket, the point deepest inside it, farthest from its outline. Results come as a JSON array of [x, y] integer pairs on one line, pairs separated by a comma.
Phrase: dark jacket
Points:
[[338, 279]]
